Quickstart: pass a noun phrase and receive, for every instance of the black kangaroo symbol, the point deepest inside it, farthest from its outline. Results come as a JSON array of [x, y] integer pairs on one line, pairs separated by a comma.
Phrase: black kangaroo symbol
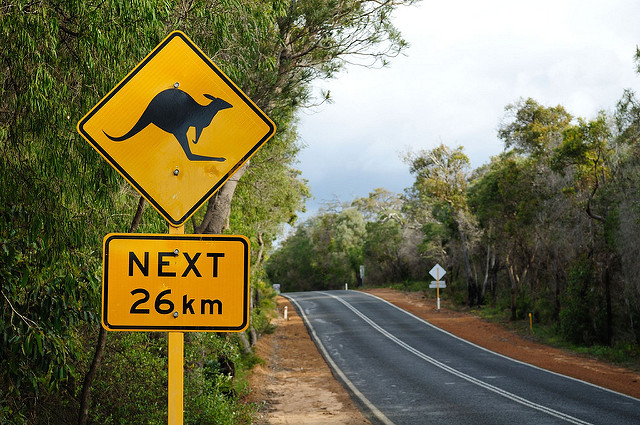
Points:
[[174, 111]]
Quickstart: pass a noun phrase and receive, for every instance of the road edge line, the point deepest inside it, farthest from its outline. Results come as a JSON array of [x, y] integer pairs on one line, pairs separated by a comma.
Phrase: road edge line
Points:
[[351, 387], [499, 354]]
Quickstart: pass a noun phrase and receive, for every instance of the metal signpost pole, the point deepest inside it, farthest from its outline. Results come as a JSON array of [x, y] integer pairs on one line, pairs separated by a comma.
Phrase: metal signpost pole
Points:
[[176, 366], [437, 272], [438, 288]]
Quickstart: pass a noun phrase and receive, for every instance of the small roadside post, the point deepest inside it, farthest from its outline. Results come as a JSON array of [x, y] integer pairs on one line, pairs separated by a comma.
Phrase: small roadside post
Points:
[[437, 272], [362, 275]]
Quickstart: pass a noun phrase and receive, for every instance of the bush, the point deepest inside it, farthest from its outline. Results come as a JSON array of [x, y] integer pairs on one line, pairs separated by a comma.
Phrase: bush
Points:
[[582, 318]]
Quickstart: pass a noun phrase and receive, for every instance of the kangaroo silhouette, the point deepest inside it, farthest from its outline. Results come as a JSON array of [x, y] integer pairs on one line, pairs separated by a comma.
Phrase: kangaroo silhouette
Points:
[[174, 111]]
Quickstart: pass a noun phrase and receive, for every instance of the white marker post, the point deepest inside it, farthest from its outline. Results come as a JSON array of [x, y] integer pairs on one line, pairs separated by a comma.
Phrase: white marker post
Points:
[[437, 272]]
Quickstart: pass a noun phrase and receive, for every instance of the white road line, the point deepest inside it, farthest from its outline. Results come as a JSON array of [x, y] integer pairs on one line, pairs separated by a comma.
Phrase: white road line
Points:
[[372, 408], [462, 375], [408, 313]]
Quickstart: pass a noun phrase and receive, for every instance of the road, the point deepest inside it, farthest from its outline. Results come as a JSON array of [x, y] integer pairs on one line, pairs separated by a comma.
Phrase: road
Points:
[[402, 370]]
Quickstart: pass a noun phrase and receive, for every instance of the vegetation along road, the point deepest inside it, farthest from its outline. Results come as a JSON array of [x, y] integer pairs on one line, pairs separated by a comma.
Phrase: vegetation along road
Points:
[[547, 229], [403, 370]]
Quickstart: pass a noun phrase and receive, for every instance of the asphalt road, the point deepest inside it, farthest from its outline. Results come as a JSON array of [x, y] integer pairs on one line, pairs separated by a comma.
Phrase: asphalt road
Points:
[[402, 370]]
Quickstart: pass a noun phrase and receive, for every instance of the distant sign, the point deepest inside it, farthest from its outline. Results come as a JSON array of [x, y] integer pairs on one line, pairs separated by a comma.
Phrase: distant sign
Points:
[[155, 282], [437, 272], [437, 284]]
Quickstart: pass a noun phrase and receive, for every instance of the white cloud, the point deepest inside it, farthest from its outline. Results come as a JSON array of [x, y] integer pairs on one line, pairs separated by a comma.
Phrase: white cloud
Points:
[[467, 61]]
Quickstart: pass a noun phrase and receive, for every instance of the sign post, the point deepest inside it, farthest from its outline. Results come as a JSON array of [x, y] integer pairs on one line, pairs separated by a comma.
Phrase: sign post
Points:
[[175, 283], [176, 128], [437, 272], [176, 367]]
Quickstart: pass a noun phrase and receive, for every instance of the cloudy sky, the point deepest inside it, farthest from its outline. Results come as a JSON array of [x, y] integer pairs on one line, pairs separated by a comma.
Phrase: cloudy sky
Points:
[[468, 60]]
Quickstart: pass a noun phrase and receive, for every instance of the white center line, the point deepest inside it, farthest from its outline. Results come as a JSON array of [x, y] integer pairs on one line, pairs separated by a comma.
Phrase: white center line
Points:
[[462, 375]]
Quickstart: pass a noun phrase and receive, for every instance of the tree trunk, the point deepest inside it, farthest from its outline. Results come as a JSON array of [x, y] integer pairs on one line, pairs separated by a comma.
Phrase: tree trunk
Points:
[[495, 268], [136, 219], [216, 219], [609, 309], [90, 376], [260, 249], [253, 301], [514, 311], [472, 286], [515, 284], [246, 345], [486, 274]]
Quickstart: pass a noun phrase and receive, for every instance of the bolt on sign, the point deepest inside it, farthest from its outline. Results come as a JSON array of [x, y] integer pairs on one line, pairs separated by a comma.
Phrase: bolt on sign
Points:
[[161, 282], [176, 128]]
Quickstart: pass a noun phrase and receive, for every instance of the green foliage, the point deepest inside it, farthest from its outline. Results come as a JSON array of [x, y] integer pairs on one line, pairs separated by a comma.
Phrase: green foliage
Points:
[[41, 308], [441, 176], [382, 251], [266, 307], [582, 319], [532, 128], [131, 386], [58, 198], [327, 250], [210, 395]]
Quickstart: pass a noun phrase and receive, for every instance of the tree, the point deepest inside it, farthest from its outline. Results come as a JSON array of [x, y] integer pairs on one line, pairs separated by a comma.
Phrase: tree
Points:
[[57, 198], [505, 200], [310, 40], [586, 153], [441, 185], [381, 204], [532, 129]]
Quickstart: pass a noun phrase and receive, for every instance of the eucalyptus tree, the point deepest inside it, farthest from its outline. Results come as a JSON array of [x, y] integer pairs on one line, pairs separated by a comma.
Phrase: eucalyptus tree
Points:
[[310, 40], [586, 154], [506, 203], [627, 132], [441, 182], [57, 199]]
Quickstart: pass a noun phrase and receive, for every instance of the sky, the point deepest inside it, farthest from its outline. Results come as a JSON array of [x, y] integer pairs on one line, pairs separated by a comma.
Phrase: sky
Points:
[[466, 62]]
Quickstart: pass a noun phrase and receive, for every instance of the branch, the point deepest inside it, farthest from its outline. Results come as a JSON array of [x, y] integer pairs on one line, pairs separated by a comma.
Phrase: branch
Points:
[[136, 219], [26, 320], [593, 193]]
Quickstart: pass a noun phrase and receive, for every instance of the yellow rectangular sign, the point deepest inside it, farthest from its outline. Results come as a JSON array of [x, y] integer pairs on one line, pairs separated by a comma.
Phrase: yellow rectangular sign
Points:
[[158, 282]]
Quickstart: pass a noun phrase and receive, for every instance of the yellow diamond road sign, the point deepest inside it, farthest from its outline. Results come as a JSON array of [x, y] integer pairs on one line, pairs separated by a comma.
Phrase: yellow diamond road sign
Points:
[[154, 282], [176, 127]]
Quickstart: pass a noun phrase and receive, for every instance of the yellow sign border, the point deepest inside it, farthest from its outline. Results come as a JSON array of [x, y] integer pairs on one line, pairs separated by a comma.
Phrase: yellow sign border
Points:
[[176, 221], [173, 237]]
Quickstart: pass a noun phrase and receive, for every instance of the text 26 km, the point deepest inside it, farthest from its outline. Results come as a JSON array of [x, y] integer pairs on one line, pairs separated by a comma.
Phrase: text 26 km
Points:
[[164, 305]]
